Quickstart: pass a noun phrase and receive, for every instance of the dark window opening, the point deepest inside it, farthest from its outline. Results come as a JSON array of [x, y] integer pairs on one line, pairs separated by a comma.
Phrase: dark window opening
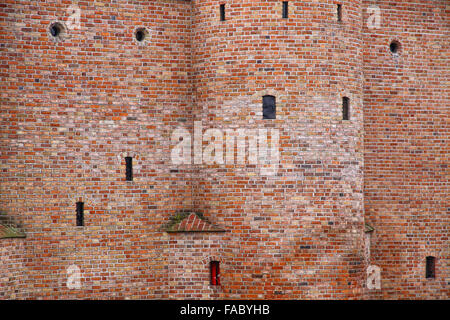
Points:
[[430, 271], [222, 12], [345, 108], [285, 9], [339, 12], [140, 34], [269, 107], [80, 214], [214, 267], [56, 29], [394, 46], [129, 168]]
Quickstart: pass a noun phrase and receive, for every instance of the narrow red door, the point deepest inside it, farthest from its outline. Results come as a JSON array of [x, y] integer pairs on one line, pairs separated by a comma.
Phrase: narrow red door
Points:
[[215, 273]]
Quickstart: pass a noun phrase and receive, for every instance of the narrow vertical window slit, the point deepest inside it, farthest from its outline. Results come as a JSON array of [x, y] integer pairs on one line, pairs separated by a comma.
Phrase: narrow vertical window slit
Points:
[[285, 9], [80, 214], [430, 267], [345, 108], [129, 168], [222, 12], [339, 12]]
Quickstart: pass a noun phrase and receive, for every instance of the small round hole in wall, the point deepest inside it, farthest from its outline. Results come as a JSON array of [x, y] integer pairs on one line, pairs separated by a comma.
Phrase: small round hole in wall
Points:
[[394, 47], [56, 29], [141, 34]]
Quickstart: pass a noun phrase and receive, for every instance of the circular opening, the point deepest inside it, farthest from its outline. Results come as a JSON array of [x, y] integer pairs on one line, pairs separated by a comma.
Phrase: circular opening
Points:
[[394, 46], [140, 34], [56, 29]]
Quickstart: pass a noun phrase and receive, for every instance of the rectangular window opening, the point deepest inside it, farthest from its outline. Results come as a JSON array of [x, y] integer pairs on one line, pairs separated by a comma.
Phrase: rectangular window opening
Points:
[[129, 168], [269, 107], [430, 268], [285, 9], [80, 214], [222, 12], [339, 12], [345, 108], [214, 267]]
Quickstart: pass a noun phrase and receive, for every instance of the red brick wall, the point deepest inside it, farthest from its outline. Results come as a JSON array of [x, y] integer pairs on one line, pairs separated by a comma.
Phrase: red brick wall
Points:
[[189, 273], [406, 124], [71, 111], [12, 268]]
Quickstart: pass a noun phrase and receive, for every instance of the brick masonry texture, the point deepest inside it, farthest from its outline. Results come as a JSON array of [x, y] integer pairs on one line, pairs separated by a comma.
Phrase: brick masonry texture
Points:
[[72, 110], [73, 107], [406, 124]]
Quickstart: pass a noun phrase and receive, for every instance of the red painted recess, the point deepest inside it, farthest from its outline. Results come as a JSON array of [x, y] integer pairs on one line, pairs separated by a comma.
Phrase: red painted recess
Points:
[[215, 273]]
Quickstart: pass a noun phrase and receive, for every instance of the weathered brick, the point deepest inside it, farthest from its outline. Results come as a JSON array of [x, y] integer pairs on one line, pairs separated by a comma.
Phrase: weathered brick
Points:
[[75, 106]]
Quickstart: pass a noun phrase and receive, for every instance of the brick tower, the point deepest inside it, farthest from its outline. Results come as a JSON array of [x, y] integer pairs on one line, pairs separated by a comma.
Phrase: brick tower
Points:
[[297, 233]]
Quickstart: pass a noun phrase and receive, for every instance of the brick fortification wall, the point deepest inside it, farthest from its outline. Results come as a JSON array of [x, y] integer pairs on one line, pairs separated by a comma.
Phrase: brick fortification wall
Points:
[[74, 107], [406, 124], [72, 110]]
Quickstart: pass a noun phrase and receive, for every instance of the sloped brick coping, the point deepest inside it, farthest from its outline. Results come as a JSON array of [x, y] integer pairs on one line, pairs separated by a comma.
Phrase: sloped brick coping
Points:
[[7, 232], [190, 222]]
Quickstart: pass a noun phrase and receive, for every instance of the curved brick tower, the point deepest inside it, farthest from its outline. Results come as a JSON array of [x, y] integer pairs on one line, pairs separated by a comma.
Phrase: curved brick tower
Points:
[[298, 233]]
